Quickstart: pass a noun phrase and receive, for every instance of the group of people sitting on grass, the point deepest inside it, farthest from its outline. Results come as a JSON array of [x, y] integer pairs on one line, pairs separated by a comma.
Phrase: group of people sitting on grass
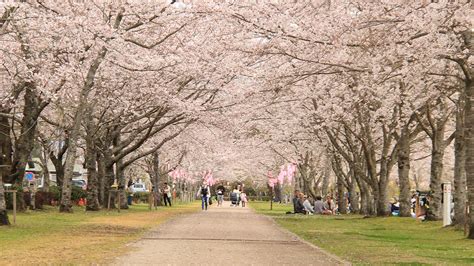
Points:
[[306, 205]]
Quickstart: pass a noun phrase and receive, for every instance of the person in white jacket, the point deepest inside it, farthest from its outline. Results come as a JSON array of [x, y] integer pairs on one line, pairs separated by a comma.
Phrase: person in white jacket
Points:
[[307, 206]]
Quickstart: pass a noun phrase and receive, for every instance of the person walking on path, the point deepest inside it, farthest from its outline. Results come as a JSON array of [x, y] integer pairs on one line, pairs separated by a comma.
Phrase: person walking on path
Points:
[[243, 198], [235, 197], [220, 196], [167, 194], [205, 192]]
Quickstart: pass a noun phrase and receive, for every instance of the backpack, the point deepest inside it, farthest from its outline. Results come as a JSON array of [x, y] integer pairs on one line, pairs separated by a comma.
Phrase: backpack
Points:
[[204, 191]]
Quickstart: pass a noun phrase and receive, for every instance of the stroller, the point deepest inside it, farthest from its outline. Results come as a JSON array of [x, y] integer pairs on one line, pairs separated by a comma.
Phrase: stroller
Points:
[[234, 199]]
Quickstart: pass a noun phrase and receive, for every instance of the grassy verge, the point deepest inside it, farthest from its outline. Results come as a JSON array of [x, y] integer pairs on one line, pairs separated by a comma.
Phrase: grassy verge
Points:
[[49, 237], [390, 240]]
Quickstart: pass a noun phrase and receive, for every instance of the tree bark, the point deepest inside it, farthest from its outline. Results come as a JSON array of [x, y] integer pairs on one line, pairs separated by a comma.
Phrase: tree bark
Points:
[[91, 165], [3, 205], [404, 172], [109, 181], [45, 172], [365, 201], [469, 126], [58, 161], [59, 169], [470, 154], [435, 128], [341, 199], [102, 179], [121, 180], [120, 175], [353, 196], [5, 163], [92, 180], [155, 178], [460, 196], [25, 142], [436, 172], [66, 204], [326, 177], [387, 161]]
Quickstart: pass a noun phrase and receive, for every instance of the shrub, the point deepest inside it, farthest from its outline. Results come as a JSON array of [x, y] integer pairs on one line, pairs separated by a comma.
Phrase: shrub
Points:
[[54, 193], [140, 196], [78, 193], [42, 198]]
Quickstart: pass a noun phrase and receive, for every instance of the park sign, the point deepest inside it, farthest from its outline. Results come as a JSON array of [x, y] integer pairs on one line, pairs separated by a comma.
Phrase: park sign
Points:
[[30, 176]]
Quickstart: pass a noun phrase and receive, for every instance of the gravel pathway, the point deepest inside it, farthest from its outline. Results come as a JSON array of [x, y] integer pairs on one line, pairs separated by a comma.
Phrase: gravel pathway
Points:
[[227, 236]]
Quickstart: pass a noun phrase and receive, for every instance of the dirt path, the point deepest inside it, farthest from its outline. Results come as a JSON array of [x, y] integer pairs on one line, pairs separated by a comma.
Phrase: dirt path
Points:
[[223, 235]]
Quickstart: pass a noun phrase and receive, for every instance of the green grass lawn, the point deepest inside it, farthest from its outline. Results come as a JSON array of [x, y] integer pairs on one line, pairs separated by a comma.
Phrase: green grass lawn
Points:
[[390, 240], [49, 237]]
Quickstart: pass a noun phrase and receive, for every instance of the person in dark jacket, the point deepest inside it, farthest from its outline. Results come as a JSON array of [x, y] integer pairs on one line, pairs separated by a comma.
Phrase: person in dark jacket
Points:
[[297, 203]]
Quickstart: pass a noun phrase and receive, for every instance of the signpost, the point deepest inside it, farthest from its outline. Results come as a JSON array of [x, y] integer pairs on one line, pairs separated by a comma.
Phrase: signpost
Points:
[[114, 189], [30, 176]]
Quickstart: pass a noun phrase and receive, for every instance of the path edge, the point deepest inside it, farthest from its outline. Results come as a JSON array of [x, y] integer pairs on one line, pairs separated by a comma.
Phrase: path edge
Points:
[[275, 224]]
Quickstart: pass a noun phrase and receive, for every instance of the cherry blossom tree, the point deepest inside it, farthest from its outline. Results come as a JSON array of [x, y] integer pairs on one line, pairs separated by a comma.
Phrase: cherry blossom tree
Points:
[[345, 91]]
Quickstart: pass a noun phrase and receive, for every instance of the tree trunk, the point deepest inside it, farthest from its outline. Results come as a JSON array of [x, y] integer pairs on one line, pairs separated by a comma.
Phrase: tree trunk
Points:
[[460, 197], [5, 156], [91, 164], [58, 160], [377, 204], [354, 198], [386, 162], [341, 199], [92, 181], [382, 199], [45, 171], [3, 205], [365, 196], [109, 181], [25, 142], [436, 173], [470, 155], [298, 178], [277, 192], [468, 36], [102, 179], [155, 178], [416, 179], [59, 167], [404, 172], [469, 126], [121, 180], [365, 204], [326, 177], [66, 204], [120, 175]]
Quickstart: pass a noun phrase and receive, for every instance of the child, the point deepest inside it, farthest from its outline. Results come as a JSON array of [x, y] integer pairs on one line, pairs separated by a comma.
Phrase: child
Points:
[[243, 198]]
